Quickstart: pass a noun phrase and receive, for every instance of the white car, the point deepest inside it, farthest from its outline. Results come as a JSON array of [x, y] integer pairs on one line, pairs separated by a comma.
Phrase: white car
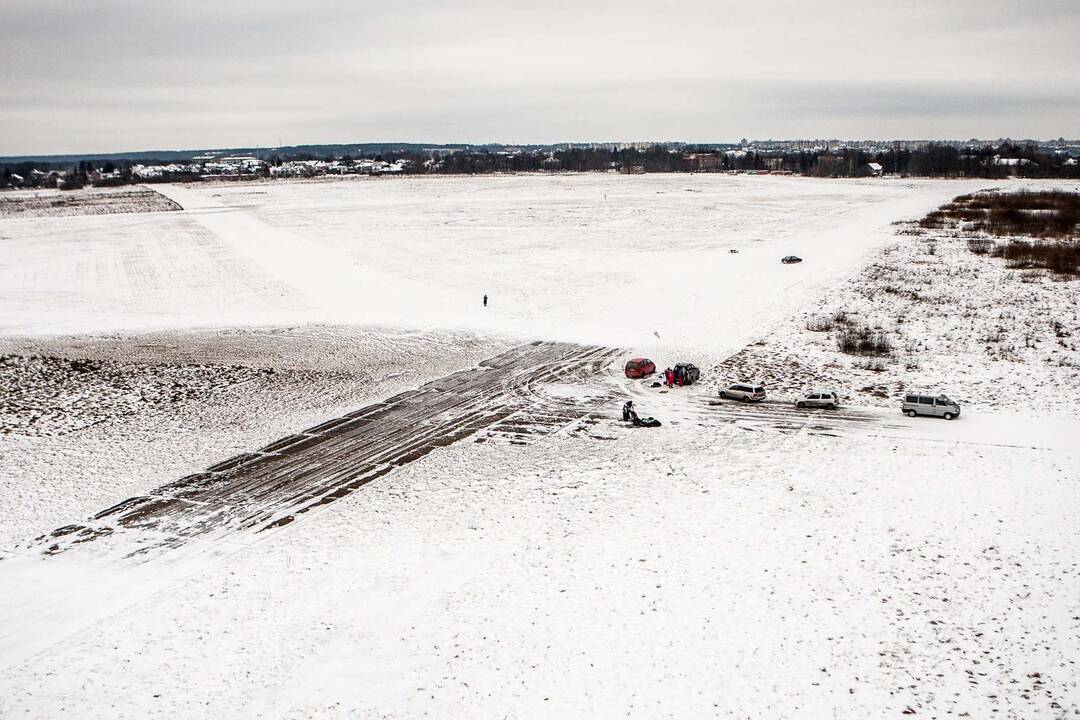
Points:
[[743, 391], [828, 399]]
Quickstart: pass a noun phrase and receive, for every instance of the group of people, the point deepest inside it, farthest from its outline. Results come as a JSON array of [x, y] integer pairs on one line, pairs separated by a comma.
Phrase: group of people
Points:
[[675, 377]]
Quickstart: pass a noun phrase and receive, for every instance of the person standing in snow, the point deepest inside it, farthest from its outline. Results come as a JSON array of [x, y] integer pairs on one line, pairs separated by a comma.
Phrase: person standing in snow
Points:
[[669, 377], [485, 299], [628, 412]]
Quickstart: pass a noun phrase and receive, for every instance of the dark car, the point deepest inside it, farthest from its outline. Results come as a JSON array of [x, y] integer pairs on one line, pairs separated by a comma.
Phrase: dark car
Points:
[[689, 371], [639, 368], [791, 259]]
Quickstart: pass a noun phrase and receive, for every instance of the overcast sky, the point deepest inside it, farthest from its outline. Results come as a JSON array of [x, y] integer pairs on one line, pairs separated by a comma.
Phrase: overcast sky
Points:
[[147, 74]]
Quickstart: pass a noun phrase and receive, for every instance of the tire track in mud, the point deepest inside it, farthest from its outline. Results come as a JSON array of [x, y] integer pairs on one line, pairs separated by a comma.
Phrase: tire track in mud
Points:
[[503, 398]]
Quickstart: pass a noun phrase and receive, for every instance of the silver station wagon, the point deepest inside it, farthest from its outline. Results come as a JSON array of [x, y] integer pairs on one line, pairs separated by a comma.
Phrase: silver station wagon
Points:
[[934, 405], [828, 399], [744, 391]]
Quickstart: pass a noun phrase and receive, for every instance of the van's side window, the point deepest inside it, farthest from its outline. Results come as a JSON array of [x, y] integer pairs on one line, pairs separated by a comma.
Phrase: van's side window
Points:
[[943, 403], [926, 401], [911, 399]]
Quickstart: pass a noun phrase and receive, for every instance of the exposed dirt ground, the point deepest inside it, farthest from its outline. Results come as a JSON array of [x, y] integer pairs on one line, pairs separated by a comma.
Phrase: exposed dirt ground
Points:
[[58, 203], [47, 396]]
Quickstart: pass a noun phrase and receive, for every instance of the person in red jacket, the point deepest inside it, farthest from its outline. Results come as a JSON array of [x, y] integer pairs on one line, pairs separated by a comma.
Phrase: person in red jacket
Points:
[[669, 376]]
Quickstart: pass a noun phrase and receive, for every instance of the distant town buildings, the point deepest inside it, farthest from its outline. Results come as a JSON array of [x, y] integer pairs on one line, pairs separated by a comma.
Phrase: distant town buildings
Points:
[[820, 158], [1014, 164]]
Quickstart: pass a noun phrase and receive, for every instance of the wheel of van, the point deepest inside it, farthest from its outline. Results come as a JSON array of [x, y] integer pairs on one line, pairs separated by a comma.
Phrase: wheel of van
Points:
[[723, 395], [745, 399], [800, 405], [911, 413], [830, 406], [948, 416]]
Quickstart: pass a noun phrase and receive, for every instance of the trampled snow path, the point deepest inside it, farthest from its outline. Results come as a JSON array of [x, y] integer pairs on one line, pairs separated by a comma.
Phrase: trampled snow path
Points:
[[1002, 430], [325, 276]]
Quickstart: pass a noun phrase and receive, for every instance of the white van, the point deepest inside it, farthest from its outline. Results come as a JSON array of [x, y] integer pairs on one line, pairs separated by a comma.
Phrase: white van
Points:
[[934, 405]]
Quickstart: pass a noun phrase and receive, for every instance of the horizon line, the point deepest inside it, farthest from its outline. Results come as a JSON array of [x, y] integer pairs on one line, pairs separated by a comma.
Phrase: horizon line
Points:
[[436, 145]]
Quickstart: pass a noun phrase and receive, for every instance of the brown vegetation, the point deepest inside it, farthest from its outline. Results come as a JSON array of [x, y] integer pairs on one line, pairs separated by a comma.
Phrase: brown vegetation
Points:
[[861, 340], [1046, 214], [1061, 258], [1050, 218]]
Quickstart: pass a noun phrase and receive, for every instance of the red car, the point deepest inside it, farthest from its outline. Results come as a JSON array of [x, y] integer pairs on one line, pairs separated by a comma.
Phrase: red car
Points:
[[639, 368]]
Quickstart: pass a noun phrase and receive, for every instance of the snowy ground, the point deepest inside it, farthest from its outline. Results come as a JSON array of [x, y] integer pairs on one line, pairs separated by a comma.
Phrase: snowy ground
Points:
[[155, 407], [588, 258], [988, 336], [746, 564]]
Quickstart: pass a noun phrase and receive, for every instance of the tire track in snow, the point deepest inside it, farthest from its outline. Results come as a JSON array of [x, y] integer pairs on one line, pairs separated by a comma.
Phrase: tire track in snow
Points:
[[274, 485]]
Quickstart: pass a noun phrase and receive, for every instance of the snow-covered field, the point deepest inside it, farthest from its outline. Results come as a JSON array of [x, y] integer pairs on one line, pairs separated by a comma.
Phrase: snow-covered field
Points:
[[725, 564], [592, 258]]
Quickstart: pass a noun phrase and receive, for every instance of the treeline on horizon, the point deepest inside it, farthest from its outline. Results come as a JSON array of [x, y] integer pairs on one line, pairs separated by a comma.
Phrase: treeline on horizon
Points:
[[931, 160]]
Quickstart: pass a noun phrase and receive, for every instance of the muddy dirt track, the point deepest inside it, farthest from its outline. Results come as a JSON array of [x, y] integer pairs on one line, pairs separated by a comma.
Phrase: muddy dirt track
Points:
[[505, 398]]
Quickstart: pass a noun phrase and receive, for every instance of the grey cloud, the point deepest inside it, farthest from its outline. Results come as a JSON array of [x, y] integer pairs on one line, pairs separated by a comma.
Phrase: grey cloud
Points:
[[123, 74]]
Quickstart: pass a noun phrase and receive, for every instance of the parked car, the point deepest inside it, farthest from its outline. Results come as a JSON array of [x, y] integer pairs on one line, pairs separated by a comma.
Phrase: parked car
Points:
[[791, 259], [639, 368], [937, 406], [744, 392], [690, 372], [828, 399]]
